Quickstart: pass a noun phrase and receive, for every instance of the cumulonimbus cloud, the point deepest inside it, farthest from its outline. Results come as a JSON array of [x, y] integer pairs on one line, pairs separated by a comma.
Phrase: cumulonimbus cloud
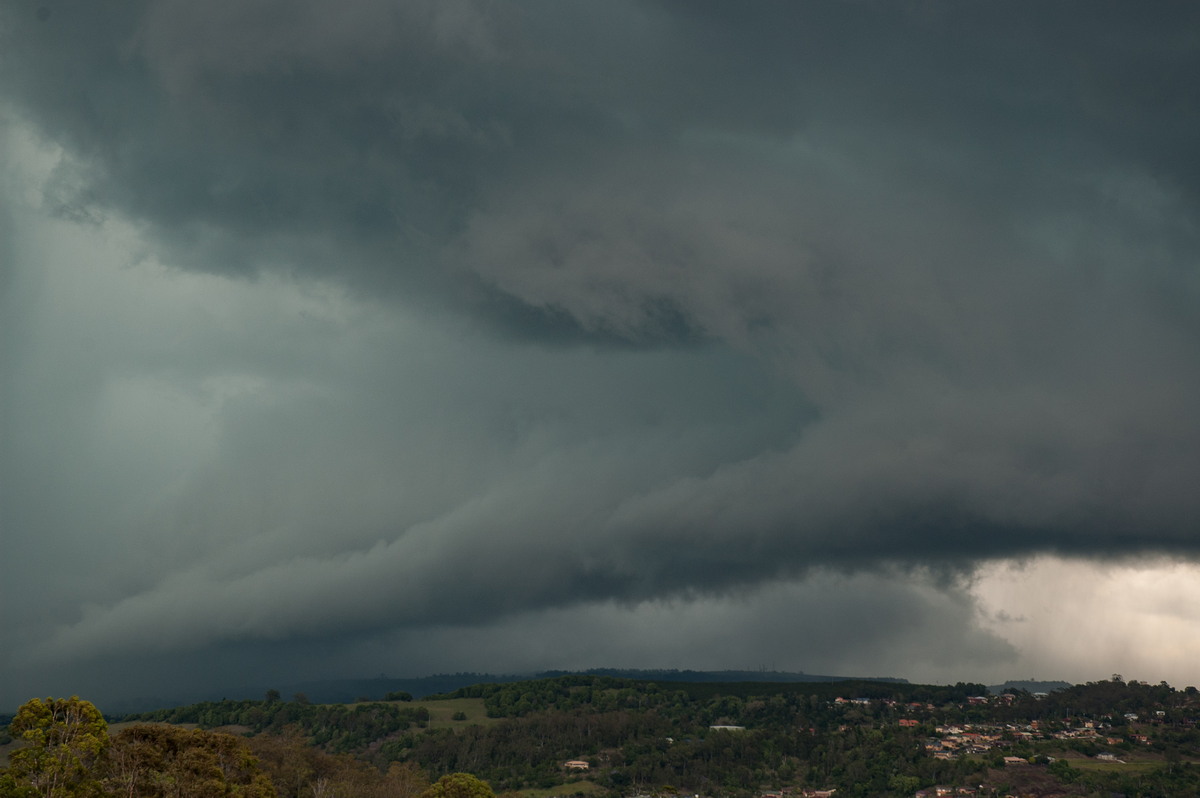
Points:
[[769, 292]]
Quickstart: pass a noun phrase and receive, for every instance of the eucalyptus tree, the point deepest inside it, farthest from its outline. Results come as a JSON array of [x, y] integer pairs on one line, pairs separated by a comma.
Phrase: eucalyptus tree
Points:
[[64, 747]]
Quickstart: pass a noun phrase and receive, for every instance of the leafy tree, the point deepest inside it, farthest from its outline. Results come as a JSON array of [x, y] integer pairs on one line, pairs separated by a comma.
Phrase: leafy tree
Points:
[[170, 762], [66, 739], [903, 785], [459, 785], [300, 771], [11, 788]]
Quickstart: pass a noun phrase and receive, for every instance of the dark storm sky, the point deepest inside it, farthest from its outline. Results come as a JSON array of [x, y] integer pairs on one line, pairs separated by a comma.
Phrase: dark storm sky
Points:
[[339, 338]]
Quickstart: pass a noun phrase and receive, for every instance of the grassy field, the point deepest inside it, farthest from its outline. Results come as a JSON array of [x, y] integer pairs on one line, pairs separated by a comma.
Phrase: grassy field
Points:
[[1127, 766], [119, 725], [441, 713], [564, 790]]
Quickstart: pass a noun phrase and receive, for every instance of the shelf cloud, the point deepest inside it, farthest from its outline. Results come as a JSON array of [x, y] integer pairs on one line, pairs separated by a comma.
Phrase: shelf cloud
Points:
[[408, 328]]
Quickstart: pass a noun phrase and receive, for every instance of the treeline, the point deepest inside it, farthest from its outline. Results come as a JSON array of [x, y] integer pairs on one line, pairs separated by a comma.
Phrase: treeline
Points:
[[724, 677], [339, 728], [1110, 697], [603, 693]]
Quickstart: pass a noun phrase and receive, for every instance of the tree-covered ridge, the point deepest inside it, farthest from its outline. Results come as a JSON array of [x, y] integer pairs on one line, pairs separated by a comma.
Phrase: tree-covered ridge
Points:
[[605, 694], [339, 728], [638, 734], [1113, 696], [735, 740]]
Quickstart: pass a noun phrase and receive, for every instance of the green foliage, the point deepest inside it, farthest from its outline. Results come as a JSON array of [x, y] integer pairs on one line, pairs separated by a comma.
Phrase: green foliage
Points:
[[67, 753], [459, 785], [299, 770], [169, 762], [903, 785], [65, 740], [337, 727], [11, 787], [1063, 770]]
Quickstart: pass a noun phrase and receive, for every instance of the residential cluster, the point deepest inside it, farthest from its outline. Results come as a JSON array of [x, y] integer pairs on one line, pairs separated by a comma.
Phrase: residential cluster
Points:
[[949, 742]]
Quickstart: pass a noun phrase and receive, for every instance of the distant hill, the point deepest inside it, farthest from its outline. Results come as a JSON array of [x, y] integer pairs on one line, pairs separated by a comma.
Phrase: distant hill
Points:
[[342, 691], [1028, 685], [671, 675], [345, 690]]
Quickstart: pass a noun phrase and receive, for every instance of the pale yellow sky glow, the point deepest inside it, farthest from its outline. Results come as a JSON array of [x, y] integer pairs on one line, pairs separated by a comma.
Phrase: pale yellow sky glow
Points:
[[1083, 620]]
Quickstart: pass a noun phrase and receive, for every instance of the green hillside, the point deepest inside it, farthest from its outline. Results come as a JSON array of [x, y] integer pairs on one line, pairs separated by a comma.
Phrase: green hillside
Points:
[[627, 737]]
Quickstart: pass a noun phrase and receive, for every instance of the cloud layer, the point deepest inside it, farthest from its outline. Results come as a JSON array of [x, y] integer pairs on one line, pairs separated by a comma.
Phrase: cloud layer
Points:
[[379, 322]]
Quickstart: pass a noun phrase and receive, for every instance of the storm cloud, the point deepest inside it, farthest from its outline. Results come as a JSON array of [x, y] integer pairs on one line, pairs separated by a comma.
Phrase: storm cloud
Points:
[[435, 325]]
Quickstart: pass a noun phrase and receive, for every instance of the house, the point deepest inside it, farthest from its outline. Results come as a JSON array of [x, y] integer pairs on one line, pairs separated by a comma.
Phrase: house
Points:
[[576, 764], [909, 722]]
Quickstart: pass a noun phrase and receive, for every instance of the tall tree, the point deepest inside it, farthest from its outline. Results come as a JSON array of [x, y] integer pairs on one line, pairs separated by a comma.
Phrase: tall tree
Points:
[[66, 740]]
